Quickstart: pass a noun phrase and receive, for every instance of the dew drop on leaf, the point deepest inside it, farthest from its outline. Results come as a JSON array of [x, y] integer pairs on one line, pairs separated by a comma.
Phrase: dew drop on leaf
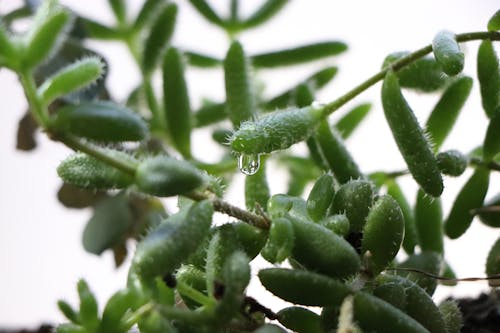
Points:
[[249, 163]]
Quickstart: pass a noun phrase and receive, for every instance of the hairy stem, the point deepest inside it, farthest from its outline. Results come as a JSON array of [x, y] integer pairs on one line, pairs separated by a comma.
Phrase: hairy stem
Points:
[[37, 109], [399, 64]]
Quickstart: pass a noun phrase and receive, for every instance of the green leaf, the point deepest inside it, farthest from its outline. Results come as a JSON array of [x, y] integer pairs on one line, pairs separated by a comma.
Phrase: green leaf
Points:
[[147, 12], [338, 223], [427, 261], [488, 74], [493, 261], [114, 311], [280, 241], [410, 236], [303, 287], [210, 113], [176, 101], [491, 145], [470, 197], [275, 131], [119, 8], [207, 12], [88, 306], [201, 60], [447, 52], [335, 154], [489, 214], [382, 233], [96, 30], [108, 225], [393, 293], [300, 320], [494, 22], [84, 171], [168, 245], [321, 196], [354, 199], [159, 36], [429, 223], [194, 278], [322, 251], [8, 52], [410, 138], [270, 328], [257, 189], [101, 121], [240, 99], [68, 311], [424, 74], [315, 81], [165, 176], [351, 120], [376, 315], [452, 316], [73, 77], [447, 109], [264, 13], [45, 35], [452, 162], [298, 55]]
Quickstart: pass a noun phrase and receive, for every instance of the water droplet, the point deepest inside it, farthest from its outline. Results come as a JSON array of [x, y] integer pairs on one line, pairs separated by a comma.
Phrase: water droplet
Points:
[[249, 164]]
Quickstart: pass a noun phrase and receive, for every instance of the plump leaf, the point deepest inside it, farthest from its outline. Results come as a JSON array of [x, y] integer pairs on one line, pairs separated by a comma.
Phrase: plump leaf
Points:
[[101, 121], [491, 145], [298, 55], [351, 120], [447, 109], [452, 316], [429, 223], [335, 154], [176, 102], [489, 214], [470, 197], [107, 226], [300, 320], [452, 162], [207, 12], [321, 197], [240, 99], [354, 199], [494, 22], [493, 261], [410, 138], [303, 287], [447, 52], [159, 36], [427, 261], [166, 176], [488, 74], [88, 306]]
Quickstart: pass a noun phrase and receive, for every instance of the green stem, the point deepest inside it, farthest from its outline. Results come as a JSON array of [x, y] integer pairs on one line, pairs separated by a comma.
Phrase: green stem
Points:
[[97, 152], [135, 316], [492, 165], [195, 295], [193, 317], [39, 112], [399, 64]]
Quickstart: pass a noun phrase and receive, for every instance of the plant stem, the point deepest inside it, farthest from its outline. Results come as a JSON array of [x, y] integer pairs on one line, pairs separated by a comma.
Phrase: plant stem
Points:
[[492, 165], [135, 316], [37, 109], [97, 152], [399, 64], [195, 295], [226, 208]]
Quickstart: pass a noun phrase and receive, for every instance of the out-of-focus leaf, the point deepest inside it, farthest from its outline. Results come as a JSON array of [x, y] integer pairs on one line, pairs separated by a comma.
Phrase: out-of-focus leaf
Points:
[[108, 225], [427, 261], [72, 196], [351, 120], [298, 55], [264, 13], [201, 60], [488, 74], [491, 145], [207, 12]]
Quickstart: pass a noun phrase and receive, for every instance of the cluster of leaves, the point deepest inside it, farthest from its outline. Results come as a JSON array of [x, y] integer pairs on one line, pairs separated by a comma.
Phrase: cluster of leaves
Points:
[[189, 275]]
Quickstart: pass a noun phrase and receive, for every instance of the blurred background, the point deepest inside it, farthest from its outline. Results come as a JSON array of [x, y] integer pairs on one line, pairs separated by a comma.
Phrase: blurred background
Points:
[[41, 256]]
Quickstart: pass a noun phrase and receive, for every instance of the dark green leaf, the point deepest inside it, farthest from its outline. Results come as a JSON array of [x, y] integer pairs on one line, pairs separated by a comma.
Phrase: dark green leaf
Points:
[[108, 225], [148, 10], [240, 99], [493, 261], [488, 74], [207, 12], [491, 145], [298, 55], [176, 102], [201, 60], [101, 121], [265, 12], [300, 320], [452, 162], [351, 120], [427, 261], [489, 214], [96, 30], [159, 36], [257, 189], [75, 197], [447, 109], [494, 22], [210, 113], [429, 223]]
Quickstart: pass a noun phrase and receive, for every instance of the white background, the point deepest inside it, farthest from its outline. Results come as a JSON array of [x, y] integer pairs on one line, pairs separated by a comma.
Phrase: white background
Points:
[[41, 256]]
